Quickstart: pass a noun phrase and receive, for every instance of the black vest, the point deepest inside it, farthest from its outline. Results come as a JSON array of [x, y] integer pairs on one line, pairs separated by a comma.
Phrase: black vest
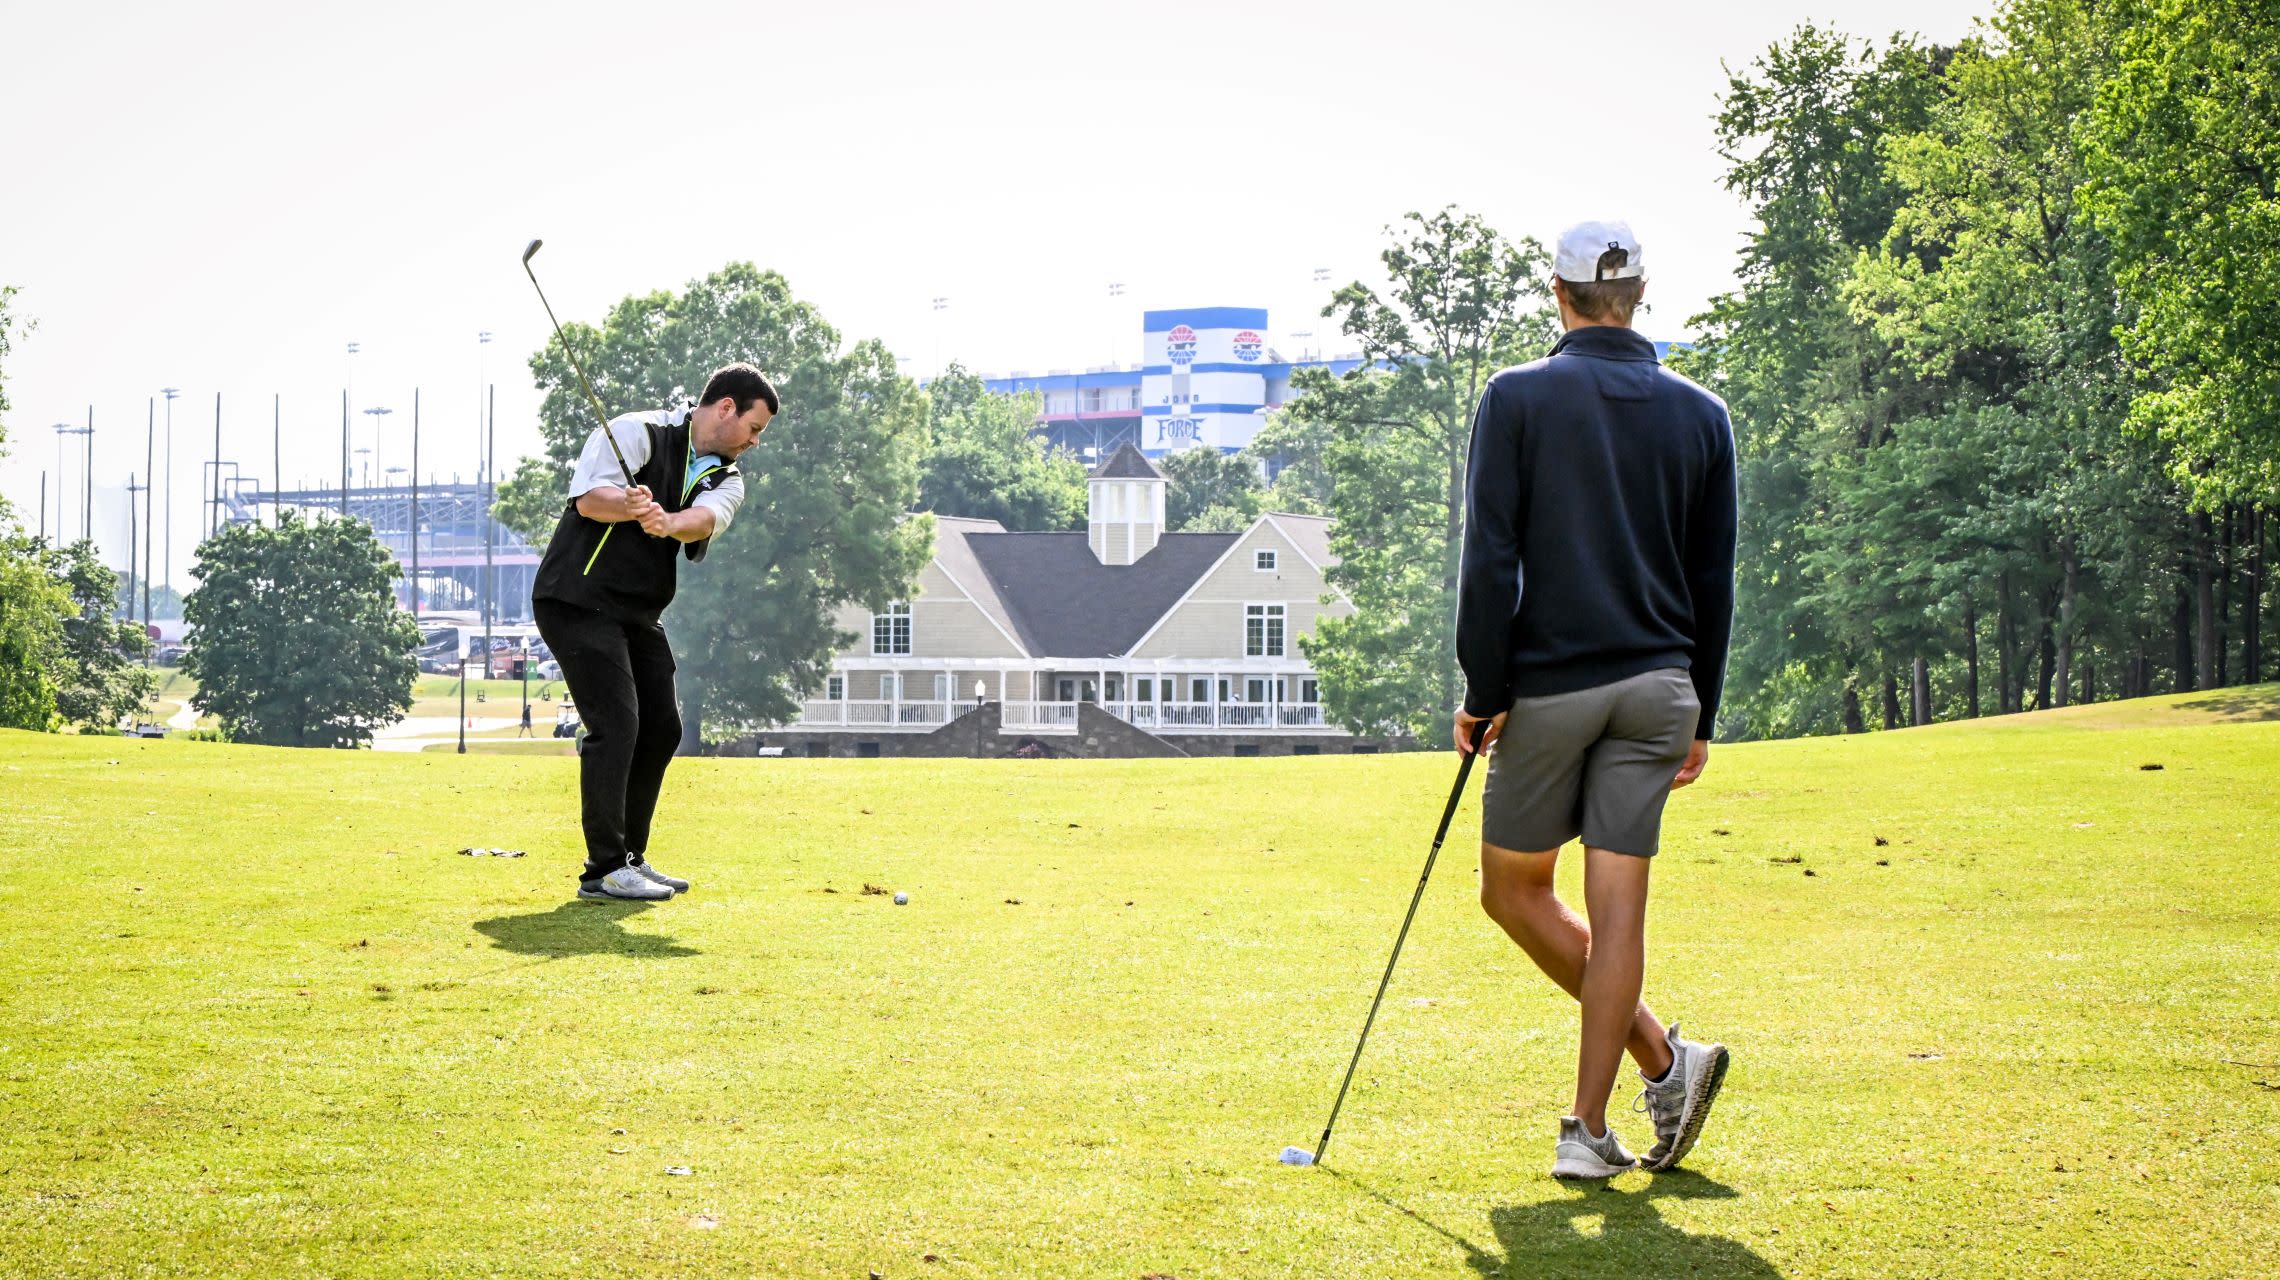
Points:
[[616, 568]]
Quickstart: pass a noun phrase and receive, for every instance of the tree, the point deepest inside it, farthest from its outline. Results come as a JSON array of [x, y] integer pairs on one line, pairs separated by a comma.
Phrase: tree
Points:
[[9, 329], [985, 460], [2183, 158], [1394, 435], [97, 684], [1804, 130], [1207, 491], [827, 491], [296, 640], [33, 606]]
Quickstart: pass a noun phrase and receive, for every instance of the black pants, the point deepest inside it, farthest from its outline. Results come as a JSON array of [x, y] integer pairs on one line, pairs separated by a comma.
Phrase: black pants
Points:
[[621, 677]]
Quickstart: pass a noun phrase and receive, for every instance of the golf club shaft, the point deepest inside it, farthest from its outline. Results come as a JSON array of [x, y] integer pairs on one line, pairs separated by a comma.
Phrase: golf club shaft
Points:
[[580, 370], [1456, 793]]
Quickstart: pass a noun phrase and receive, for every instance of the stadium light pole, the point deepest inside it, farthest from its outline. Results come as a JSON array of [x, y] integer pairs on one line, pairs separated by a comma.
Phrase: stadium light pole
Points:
[[62, 429], [132, 545], [347, 392], [214, 521], [150, 456], [415, 533], [490, 495], [87, 516], [167, 538]]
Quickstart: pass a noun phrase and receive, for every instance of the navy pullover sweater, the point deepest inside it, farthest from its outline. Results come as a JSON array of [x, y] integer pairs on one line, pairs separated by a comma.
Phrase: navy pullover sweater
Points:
[[1599, 526]]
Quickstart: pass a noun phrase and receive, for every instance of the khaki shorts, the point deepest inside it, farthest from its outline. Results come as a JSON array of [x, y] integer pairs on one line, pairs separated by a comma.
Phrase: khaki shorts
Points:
[[1596, 763]]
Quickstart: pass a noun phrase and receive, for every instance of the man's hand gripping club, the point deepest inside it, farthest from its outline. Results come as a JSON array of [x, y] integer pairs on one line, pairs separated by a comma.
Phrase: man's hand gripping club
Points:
[[637, 506]]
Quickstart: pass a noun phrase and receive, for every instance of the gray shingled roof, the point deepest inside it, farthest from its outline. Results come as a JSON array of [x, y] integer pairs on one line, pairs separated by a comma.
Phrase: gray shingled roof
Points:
[[1127, 463], [1311, 534], [957, 559], [1066, 604]]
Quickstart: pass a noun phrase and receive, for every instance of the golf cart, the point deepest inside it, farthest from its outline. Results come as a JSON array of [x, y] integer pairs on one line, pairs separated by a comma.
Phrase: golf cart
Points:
[[566, 722]]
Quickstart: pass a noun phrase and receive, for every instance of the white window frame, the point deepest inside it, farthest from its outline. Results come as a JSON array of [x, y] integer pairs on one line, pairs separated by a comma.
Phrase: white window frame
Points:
[[883, 627], [1274, 630], [1264, 561], [835, 688]]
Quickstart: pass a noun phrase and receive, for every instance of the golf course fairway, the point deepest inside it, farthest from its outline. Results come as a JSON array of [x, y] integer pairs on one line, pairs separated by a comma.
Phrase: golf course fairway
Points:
[[2003, 997]]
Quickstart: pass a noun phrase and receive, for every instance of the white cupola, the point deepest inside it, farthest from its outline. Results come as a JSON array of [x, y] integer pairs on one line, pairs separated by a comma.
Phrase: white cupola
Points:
[[1126, 517]]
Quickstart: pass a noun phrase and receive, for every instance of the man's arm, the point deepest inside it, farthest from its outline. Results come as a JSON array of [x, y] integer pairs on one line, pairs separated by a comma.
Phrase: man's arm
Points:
[[1488, 583], [612, 505], [1709, 554]]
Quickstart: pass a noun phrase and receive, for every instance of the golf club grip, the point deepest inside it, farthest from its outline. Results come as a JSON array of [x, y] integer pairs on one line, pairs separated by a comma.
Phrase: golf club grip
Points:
[[1441, 833]]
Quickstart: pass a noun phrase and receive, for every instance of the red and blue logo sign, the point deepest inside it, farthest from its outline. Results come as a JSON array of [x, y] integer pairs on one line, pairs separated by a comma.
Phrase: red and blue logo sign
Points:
[[1179, 345], [1249, 347]]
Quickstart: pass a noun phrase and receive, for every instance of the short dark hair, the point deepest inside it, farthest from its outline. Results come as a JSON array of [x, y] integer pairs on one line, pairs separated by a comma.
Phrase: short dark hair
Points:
[[744, 382], [1607, 301]]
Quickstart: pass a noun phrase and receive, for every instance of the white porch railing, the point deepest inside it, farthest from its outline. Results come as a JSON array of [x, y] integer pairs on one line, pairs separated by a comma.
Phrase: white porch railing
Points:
[[1059, 717], [873, 713], [1039, 717]]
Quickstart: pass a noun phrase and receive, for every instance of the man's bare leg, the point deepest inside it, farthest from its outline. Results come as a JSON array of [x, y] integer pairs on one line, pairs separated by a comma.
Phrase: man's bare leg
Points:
[[1516, 891], [1615, 893]]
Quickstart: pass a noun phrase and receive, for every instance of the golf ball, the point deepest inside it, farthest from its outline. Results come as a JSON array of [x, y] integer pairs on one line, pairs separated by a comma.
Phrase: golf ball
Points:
[[1297, 1155], [902, 899]]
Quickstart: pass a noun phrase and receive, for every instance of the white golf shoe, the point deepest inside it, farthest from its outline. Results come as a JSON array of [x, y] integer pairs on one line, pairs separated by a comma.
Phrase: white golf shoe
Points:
[[626, 883], [641, 867], [1579, 1155]]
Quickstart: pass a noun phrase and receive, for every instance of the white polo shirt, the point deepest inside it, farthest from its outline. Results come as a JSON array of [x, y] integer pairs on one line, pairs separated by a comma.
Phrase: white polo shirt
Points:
[[598, 466]]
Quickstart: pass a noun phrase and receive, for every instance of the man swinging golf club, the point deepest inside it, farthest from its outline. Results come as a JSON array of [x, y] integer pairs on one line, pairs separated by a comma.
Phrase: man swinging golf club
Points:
[[1596, 597], [605, 579]]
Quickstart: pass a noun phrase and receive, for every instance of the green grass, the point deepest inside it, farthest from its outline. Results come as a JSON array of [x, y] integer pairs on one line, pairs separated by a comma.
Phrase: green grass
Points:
[[257, 1017]]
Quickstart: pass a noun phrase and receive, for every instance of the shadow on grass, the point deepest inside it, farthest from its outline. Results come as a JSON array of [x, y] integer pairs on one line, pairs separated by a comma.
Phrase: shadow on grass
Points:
[[580, 927], [1547, 1237], [2254, 702]]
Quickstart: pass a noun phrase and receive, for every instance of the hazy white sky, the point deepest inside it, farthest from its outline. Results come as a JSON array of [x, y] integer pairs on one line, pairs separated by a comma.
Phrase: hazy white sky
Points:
[[220, 197]]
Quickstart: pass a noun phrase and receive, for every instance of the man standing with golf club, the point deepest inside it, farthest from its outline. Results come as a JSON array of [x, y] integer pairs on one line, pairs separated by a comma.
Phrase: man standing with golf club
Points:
[[1595, 601], [648, 489]]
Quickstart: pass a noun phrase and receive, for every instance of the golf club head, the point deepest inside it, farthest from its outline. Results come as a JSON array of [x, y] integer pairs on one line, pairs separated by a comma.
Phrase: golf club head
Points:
[[1297, 1156], [533, 249]]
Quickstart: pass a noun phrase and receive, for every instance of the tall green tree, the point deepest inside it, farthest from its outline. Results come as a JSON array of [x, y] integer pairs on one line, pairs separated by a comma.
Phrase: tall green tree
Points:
[[827, 489], [1206, 491], [98, 682], [2183, 152], [295, 637], [985, 460], [1804, 130], [1998, 296], [1462, 299], [33, 609]]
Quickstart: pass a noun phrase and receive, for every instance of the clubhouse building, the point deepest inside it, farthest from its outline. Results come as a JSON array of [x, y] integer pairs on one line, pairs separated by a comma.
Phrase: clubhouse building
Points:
[[1123, 640]]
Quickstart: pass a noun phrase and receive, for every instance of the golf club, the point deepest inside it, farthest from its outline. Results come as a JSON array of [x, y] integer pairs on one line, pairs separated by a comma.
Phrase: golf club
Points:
[[564, 339], [1300, 1155]]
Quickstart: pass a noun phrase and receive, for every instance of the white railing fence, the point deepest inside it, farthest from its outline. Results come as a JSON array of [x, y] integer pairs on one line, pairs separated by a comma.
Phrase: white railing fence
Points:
[[1058, 717]]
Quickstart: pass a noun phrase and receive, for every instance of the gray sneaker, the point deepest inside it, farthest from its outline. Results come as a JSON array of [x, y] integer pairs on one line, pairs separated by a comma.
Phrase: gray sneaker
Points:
[[642, 868], [624, 882], [1680, 1101], [1579, 1155]]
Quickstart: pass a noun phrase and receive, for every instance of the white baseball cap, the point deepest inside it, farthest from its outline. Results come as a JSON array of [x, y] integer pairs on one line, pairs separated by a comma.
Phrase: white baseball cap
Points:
[[1580, 246]]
